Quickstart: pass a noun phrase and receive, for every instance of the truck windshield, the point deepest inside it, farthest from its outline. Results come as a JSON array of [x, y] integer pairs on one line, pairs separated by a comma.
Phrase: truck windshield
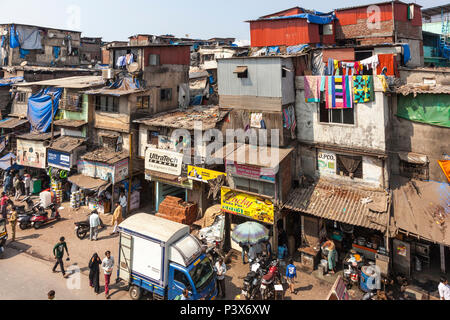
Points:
[[201, 274]]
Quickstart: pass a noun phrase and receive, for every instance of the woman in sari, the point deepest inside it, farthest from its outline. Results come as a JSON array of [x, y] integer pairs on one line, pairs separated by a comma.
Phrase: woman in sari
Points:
[[94, 272]]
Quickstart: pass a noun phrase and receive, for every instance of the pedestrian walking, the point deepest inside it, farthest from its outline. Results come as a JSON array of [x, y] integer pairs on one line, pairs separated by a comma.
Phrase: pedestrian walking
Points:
[[291, 276], [244, 252], [4, 204], [221, 269], [107, 265], [94, 223], [27, 183], [332, 253], [18, 190], [51, 295], [7, 183], [58, 252], [444, 289], [123, 203], [13, 221], [94, 273], [268, 249], [117, 218]]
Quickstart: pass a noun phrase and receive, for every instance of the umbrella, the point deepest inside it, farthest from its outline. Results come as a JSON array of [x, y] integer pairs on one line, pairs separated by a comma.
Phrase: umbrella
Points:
[[250, 233]]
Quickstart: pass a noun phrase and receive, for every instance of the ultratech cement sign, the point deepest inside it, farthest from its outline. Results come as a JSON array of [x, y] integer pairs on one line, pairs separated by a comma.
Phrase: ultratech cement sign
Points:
[[163, 161]]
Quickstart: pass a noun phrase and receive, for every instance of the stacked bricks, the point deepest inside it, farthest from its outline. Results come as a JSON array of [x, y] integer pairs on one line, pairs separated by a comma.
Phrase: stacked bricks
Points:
[[175, 209]]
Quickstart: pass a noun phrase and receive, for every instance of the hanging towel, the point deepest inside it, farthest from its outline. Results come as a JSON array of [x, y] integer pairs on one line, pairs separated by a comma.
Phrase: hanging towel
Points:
[[362, 89], [371, 62], [339, 95], [383, 83], [388, 61], [312, 88], [330, 67], [322, 83]]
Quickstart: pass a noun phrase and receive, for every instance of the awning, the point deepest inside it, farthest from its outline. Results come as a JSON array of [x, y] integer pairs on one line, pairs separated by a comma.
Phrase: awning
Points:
[[240, 69], [342, 203], [11, 123], [87, 183], [421, 208], [9, 162], [415, 158]]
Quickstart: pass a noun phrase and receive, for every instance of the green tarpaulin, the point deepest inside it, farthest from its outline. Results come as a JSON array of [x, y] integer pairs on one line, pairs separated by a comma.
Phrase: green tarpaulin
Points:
[[432, 109]]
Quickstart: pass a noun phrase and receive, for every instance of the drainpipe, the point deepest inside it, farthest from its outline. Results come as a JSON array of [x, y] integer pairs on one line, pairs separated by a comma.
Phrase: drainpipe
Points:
[[393, 23]]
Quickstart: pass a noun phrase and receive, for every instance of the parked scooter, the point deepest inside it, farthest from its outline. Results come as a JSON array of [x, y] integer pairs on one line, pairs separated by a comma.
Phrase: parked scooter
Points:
[[83, 227], [25, 215], [41, 218]]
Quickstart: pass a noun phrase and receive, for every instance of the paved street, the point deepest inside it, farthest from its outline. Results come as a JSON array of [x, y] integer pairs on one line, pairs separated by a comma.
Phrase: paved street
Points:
[[28, 278]]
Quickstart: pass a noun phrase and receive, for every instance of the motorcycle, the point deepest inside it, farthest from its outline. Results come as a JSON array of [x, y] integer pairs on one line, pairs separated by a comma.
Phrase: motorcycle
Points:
[[24, 216], [269, 280], [251, 285], [83, 227], [41, 218]]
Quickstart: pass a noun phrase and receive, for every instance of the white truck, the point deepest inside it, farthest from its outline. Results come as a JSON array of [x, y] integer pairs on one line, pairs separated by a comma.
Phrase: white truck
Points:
[[161, 257]]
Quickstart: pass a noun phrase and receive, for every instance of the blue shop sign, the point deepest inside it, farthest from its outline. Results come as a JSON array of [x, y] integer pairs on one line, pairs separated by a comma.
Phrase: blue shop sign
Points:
[[58, 159]]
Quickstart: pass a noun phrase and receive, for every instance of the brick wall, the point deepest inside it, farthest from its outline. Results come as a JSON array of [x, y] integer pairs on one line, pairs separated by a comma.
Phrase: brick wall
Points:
[[361, 30], [175, 209]]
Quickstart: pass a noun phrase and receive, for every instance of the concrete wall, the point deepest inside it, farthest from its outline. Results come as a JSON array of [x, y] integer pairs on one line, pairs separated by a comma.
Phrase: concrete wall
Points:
[[367, 133]]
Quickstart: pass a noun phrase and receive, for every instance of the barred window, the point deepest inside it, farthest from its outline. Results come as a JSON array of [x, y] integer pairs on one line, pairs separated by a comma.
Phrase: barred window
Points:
[[107, 104]]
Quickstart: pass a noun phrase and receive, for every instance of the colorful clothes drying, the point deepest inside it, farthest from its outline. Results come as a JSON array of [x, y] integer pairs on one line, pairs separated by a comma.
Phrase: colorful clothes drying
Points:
[[339, 95], [362, 89], [370, 62], [312, 88]]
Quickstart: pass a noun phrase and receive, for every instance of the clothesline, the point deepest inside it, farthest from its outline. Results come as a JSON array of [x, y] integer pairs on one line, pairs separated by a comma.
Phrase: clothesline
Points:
[[356, 67]]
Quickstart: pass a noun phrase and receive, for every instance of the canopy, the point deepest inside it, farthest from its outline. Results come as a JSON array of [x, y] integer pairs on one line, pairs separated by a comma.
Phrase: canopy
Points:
[[40, 108], [87, 183], [250, 233], [8, 162]]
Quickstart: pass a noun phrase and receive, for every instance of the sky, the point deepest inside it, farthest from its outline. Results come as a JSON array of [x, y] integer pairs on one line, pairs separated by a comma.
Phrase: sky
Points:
[[201, 19]]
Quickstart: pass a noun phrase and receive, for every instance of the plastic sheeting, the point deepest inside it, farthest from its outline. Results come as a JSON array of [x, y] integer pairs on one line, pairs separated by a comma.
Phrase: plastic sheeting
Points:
[[9, 81], [8, 162], [317, 18], [406, 53], [29, 38], [297, 48], [13, 38], [433, 109], [40, 108]]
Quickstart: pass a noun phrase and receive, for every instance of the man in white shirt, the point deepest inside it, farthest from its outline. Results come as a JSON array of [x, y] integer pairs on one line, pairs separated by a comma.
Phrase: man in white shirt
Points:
[[444, 289], [107, 266], [94, 223], [221, 269], [27, 182], [123, 203]]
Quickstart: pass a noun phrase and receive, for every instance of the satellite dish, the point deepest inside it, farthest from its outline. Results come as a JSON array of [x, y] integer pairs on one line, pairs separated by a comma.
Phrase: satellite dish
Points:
[[133, 67]]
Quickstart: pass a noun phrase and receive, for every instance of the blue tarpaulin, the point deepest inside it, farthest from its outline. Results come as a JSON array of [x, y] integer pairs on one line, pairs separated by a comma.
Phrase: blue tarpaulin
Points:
[[317, 18], [297, 48], [9, 81], [8, 162], [40, 108], [406, 53], [13, 38], [274, 49]]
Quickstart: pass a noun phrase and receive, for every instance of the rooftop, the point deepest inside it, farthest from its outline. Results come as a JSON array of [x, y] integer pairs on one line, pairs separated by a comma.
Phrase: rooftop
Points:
[[209, 116], [11, 123], [415, 89], [81, 82], [105, 155], [67, 143], [257, 156], [70, 123], [38, 136], [39, 27]]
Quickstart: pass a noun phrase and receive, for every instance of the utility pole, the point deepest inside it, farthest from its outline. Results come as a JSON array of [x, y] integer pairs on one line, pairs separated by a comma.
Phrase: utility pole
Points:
[[53, 108], [130, 172]]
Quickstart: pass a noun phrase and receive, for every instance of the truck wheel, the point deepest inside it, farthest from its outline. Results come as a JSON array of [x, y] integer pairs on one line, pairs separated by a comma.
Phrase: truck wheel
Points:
[[135, 293]]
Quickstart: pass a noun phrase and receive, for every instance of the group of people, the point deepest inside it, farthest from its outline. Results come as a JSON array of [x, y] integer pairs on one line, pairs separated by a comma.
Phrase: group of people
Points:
[[14, 184], [107, 264]]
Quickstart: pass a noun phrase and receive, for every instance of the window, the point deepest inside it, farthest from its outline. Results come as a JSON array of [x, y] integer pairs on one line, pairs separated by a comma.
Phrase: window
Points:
[[107, 103], [283, 72], [241, 71], [264, 188], [166, 94], [153, 59], [343, 116], [22, 97], [208, 57], [143, 102], [152, 137], [349, 166], [181, 278], [414, 170]]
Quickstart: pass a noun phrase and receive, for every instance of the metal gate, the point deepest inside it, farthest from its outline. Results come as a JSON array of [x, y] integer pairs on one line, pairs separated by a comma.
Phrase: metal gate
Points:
[[125, 256]]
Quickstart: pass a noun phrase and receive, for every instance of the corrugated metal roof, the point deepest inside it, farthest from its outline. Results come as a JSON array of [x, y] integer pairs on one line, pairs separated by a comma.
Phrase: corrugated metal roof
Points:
[[38, 136], [70, 123], [66, 143], [422, 89], [11, 123], [105, 155], [377, 4], [81, 82], [341, 203], [258, 156]]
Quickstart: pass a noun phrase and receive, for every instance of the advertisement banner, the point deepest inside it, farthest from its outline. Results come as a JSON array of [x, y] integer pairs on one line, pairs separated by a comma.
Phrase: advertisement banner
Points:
[[250, 206], [203, 175], [31, 154], [163, 161], [252, 172], [58, 159], [327, 163]]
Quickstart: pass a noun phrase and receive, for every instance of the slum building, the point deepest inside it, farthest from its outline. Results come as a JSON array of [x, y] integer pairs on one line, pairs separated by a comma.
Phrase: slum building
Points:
[[436, 32], [91, 50]]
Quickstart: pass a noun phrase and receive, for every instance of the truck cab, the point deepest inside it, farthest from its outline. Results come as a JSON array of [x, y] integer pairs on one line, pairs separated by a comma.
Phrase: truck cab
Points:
[[160, 257]]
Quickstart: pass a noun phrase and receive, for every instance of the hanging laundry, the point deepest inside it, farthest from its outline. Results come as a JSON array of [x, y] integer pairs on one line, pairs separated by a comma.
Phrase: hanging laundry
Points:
[[330, 67], [312, 88], [56, 51], [340, 93], [384, 83], [406, 53], [362, 89], [290, 122], [388, 61], [121, 62], [371, 62], [129, 58], [255, 120]]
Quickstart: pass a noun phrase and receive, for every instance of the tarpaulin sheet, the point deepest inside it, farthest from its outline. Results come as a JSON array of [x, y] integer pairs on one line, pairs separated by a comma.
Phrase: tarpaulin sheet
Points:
[[9, 162], [29, 38], [9, 81], [40, 108], [445, 166], [318, 18], [13, 38], [433, 109], [295, 49]]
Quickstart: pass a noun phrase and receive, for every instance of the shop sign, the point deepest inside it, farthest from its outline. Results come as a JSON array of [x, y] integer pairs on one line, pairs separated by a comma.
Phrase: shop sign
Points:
[[326, 163], [203, 175], [31, 154], [58, 159], [256, 173], [250, 206], [163, 161]]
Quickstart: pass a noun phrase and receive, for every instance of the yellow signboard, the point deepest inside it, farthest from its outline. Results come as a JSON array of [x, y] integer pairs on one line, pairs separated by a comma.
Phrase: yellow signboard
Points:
[[203, 175], [254, 207]]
